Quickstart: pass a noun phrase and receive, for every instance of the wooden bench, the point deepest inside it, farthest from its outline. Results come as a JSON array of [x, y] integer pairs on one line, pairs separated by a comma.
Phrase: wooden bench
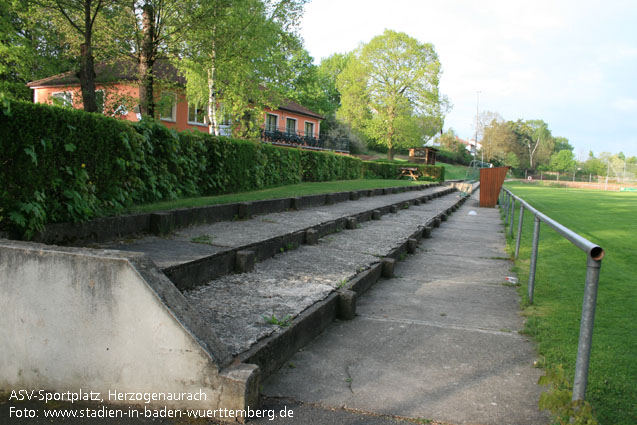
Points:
[[413, 173]]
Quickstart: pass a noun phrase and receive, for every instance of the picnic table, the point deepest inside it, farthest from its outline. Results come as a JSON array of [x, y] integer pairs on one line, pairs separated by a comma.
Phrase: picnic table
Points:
[[411, 172]]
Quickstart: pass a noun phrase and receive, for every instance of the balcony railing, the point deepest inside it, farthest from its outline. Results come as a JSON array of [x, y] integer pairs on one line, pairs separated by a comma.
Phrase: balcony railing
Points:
[[287, 137]]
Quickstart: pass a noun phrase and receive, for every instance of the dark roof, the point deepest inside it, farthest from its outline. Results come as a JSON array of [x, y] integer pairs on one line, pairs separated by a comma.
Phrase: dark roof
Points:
[[126, 70], [122, 70], [292, 106]]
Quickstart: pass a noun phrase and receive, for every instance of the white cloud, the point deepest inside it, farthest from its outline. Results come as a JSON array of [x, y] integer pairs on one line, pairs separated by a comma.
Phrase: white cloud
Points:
[[624, 105], [541, 59]]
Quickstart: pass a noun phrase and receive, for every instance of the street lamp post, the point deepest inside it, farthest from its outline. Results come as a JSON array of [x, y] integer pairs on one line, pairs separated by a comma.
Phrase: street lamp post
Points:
[[475, 141]]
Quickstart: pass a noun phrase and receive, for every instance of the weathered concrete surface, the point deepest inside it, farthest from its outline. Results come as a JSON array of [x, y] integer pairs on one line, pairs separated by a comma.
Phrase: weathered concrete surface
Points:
[[439, 341], [200, 241], [102, 320], [235, 305]]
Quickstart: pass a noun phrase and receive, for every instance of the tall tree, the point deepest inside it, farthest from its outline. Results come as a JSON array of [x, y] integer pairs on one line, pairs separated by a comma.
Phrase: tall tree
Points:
[[498, 141], [484, 119], [537, 140], [563, 161], [389, 90], [238, 56], [149, 30], [562, 144], [82, 15]]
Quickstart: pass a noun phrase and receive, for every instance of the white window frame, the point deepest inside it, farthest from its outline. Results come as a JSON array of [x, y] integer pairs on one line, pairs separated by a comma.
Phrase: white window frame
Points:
[[276, 122], [296, 127], [205, 116], [312, 124], [63, 97], [173, 111]]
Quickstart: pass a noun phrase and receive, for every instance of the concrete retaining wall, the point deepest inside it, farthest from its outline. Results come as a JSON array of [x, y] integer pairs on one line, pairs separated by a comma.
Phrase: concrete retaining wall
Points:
[[103, 321], [466, 187], [108, 228]]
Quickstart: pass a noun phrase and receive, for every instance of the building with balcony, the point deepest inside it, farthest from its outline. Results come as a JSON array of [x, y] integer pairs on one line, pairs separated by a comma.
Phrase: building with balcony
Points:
[[117, 90]]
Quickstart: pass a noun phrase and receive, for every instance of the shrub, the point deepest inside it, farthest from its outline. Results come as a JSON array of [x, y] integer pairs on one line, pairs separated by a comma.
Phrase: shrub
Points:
[[391, 170], [63, 164]]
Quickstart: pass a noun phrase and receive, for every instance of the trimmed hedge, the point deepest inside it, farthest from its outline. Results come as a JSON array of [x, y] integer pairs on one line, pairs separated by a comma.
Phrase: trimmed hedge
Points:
[[66, 165], [391, 170]]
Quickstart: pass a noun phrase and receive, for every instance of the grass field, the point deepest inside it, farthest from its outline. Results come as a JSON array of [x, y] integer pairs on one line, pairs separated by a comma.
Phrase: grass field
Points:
[[288, 191], [454, 172], [610, 220]]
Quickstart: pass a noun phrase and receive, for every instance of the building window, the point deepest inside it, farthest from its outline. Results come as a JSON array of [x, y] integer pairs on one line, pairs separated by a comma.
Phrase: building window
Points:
[[62, 98], [168, 107], [197, 115], [290, 126], [309, 129], [225, 116], [271, 122], [99, 100]]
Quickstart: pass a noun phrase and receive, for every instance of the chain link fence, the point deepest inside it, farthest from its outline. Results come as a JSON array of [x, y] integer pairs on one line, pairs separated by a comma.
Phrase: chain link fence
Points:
[[619, 175]]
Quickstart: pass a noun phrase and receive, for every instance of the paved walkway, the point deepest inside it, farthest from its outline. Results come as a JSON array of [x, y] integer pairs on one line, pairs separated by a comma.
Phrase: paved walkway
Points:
[[438, 342]]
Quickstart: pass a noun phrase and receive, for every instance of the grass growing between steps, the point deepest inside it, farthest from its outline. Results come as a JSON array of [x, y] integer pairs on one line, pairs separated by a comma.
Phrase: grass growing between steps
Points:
[[610, 220], [288, 191]]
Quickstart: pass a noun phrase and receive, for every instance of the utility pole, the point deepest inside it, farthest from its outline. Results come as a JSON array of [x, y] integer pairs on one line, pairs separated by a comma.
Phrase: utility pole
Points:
[[475, 144]]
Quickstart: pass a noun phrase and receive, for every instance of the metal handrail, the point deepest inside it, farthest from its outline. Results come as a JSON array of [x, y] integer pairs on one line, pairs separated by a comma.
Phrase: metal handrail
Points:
[[595, 254], [290, 138]]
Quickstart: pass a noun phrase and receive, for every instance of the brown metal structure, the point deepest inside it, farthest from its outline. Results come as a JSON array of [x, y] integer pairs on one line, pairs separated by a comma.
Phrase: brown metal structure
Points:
[[491, 180]]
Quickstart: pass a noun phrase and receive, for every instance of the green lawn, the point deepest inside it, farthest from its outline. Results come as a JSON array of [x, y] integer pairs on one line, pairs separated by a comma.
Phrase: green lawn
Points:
[[274, 193], [610, 220], [454, 172]]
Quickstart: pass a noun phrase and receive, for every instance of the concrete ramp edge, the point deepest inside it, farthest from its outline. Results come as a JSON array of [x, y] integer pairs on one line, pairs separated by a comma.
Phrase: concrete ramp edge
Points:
[[108, 321]]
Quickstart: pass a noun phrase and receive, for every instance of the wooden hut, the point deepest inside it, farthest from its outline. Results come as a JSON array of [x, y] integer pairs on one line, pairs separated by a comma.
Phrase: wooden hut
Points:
[[426, 155]]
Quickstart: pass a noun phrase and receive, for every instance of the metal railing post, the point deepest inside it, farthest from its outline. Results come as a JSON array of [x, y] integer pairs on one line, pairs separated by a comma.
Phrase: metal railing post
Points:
[[586, 328], [595, 254], [519, 236], [536, 242], [507, 203], [512, 215]]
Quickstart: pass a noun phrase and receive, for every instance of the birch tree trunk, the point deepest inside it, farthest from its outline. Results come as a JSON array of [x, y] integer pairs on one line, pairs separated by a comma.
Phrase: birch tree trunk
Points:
[[213, 125], [532, 152]]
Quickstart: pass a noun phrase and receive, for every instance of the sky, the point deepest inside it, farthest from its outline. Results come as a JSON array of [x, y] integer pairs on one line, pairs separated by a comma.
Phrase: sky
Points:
[[570, 63]]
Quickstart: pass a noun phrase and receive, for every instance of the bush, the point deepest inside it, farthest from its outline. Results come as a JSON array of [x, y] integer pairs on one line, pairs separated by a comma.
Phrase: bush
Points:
[[458, 156], [66, 165], [391, 170]]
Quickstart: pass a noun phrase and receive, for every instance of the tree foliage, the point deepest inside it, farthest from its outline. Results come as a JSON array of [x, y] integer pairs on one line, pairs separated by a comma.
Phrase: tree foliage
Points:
[[563, 161], [530, 141], [389, 91], [81, 17], [238, 54], [31, 47]]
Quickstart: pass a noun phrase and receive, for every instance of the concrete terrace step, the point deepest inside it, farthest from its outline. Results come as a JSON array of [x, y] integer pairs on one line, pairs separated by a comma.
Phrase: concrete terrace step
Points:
[[439, 341], [314, 283], [195, 255]]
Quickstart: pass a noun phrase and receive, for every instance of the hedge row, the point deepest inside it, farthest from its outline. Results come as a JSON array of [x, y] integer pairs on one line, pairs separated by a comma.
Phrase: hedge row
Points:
[[391, 170], [65, 165]]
